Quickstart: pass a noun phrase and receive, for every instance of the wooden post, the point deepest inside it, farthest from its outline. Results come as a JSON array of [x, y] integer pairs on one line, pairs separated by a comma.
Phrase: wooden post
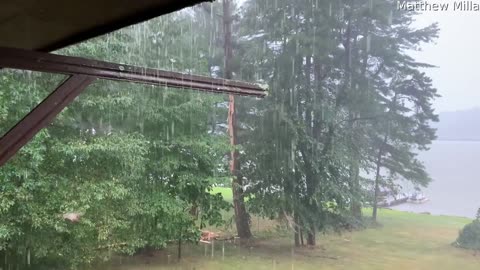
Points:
[[223, 250], [213, 247], [41, 115], [179, 249], [293, 257]]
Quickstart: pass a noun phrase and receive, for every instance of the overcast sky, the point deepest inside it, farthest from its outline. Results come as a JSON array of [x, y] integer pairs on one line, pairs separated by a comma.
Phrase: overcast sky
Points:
[[457, 54]]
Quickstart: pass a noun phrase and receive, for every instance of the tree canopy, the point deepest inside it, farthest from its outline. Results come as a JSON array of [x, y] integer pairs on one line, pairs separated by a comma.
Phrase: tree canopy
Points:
[[347, 113]]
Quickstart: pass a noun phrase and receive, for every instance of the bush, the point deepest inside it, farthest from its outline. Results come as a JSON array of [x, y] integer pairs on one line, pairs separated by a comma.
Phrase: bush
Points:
[[469, 237]]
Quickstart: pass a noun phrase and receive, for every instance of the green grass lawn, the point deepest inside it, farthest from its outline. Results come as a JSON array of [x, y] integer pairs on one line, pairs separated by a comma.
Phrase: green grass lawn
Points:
[[405, 241], [225, 191]]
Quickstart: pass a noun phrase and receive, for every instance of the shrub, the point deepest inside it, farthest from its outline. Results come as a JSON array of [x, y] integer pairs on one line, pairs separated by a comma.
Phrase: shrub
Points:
[[469, 237]]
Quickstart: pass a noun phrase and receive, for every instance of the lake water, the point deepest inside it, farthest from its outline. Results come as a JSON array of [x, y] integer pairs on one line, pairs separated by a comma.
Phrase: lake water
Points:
[[455, 190]]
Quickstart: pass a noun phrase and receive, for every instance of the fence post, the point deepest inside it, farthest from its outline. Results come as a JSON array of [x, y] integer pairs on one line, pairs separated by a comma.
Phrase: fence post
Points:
[[213, 247]]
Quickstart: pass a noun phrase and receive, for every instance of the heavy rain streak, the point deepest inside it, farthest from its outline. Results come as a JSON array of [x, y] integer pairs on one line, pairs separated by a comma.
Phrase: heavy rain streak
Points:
[[352, 160]]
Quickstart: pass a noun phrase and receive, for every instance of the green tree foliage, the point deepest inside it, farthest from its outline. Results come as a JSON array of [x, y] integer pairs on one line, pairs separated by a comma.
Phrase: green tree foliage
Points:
[[402, 96], [306, 167], [340, 79], [137, 162]]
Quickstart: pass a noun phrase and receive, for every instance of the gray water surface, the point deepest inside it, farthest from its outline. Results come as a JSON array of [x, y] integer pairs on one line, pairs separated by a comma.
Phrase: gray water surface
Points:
[[454, 167]]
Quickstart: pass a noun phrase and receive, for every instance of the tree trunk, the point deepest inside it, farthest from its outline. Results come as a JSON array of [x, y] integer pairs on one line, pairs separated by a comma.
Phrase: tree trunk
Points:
[[193, 212], [311, 236], [241, 215], [356, 206], [377, 178], [301, 237], [297, 236], [311, 189], [297, 230], [379, 159], [377, 187], [354, 171]]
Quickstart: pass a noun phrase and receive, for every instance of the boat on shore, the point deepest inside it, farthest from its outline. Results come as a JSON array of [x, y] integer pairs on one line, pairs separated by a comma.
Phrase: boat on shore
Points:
[[393, 200], [418, 198], [397, 199]]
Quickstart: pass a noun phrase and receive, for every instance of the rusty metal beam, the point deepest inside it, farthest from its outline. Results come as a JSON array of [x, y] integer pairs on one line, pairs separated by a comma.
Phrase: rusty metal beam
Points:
[[41, 115], [46, 62]]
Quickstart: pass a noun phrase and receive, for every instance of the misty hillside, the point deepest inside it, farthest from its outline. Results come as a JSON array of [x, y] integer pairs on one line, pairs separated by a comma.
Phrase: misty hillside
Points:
[[459, 125]]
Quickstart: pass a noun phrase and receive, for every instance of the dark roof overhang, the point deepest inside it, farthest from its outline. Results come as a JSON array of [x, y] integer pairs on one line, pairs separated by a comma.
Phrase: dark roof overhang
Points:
[[48, 25]]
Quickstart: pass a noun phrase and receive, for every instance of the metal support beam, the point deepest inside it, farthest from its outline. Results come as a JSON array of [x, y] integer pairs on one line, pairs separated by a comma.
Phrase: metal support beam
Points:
[[47, 62], [82, 72], [41, 116]]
